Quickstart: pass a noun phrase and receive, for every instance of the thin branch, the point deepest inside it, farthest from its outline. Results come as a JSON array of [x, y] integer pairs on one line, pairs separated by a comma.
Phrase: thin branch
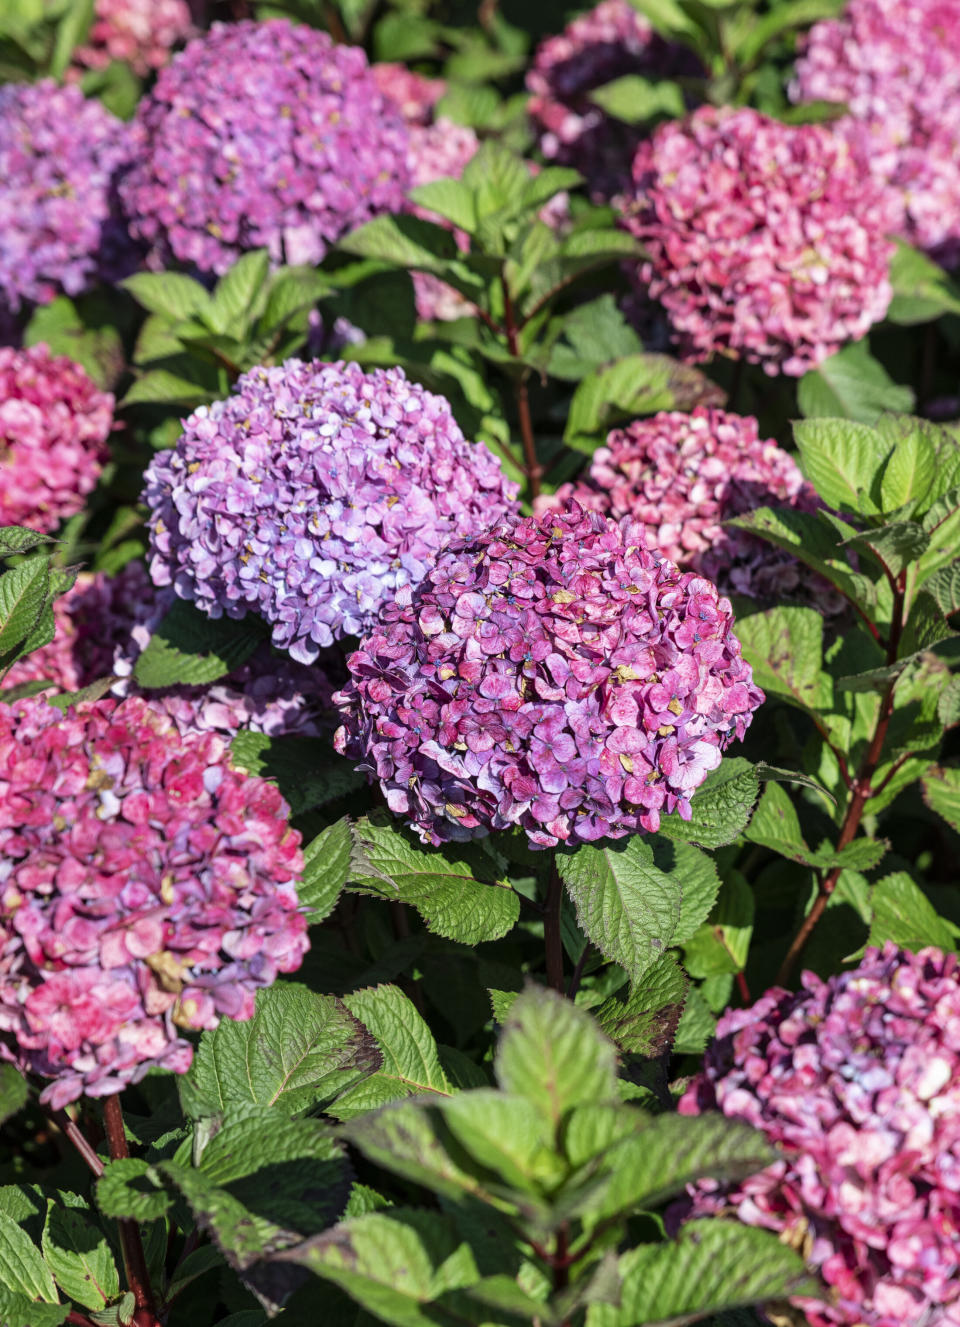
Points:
[[531, 464], [134, 1259], [79, 1139]]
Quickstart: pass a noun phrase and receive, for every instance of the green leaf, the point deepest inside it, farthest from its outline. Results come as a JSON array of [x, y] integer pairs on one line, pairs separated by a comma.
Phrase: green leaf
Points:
[[23, 596], [70, 33], [922, 290], [411, 1062], [721, 945], [941, 792], [773, 774], [19, 1310], [700, 886], [405, 241], [635, 99], [454, 888], [842, 460], [910, 472], [636, 385], [132, 1188], [13, 1092], [326, 866], [298, 1051], [720, 809], [776, 825], [170, 294], [190, 649], [944, 585], [293, 290], [305, 769], [78, 1254], [851, 384], [234, 302], [712, 1266], [593, 334], [625, 904], [645, 1022], [162, 387], [784, 646], [554, 1055], [904, 914], [448, 198], [894, 546], [18, 539], [22, 1268]]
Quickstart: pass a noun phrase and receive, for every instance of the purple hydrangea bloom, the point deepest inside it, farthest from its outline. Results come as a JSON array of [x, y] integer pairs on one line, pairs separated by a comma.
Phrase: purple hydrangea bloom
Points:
[[263, 135], [145, 886], [312, 494], [553, 674], [60, 226], [857, 1081]]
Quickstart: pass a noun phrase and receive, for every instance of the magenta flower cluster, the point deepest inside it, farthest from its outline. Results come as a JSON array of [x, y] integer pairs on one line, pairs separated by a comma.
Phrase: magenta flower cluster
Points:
[[413, 95], [141, 33], [857, 1080], [682, 476], [895, 64], [60, 225], [312, 494], [54, 424], [607, 42], [766, 241], [553, 674], [103, 624], [145, 886], [263, 135]]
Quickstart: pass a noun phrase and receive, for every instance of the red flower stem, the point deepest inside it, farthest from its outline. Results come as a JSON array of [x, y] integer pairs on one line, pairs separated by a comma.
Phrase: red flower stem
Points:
[[552, 939], [79, 1139], [134, 1259], [743, 988], [532, 466], [861, 792]]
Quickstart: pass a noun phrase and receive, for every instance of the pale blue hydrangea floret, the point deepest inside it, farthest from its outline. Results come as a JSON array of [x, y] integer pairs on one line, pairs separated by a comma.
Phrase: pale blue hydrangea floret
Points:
[[314, 493]]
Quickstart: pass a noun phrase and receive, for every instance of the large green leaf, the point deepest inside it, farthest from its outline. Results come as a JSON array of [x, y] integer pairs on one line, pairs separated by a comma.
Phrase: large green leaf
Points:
[[171, 294], [645, 1020], [720, 809], [941, 792], [326, 867], [188, 648], [842, 459], [851, 384], [23, 596], [784, 646], [22, 1268], [13, 1091], [922, 290], [904, 914], [721, 944], [78, 1254]]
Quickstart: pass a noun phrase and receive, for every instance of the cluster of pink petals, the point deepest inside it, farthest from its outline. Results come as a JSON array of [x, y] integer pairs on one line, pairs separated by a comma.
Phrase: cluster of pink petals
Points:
[[857, 1080], [607, 42], [766, 241], [61, 157], [682, 476], [552, 674], [103, 625], [895, 64], [263, 135], [141, 33], [54, 424], [412, 94], [145, 886]]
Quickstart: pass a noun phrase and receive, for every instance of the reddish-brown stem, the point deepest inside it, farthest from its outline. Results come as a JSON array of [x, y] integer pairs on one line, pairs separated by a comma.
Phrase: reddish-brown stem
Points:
[[574, 985], [530, 463], [861, 791], [552, 938], [78, 1320], [743, 988], [134, 1259], [80, 1141], [334, 26]]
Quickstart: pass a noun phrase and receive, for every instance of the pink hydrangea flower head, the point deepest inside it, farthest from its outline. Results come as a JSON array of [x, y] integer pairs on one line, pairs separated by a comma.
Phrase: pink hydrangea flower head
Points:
[[857, 1081], [263, 135], [145, 886], [60, 226], [607, 42], [895, 64], [141, 33], [312, 494], [103, 625], [552, 673], [413, 95], [766, 241], [54, 424], [682, 476]]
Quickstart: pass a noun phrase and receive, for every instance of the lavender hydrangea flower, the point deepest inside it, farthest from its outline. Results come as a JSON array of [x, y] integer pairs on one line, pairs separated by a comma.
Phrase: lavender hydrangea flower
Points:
[[312, 494], [766, 241], [60, 226], [145, 886], [263, 135], [857, 1080], [553, 674]]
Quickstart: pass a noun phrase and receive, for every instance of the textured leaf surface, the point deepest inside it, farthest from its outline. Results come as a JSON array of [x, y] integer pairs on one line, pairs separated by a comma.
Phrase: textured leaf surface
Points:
[[720, 808], [326, 866], [853, 384], [131, 1187], [23, 595], [784, 646], [646, 1020], [13, 1091], [78, 1253], [941, 792], [22, 1268], [903, 913], [190, 649]]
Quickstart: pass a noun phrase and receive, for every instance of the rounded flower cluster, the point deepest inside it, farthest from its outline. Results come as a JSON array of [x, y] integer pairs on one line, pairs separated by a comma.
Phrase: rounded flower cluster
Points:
[[60, 227], [103, 625], [682, 476], [857, 1080], [54, 424], [895, 64], [312, 494], [766, 241], [145, 886], [552, 674], [141, 33], [263, 135], [413, 95]]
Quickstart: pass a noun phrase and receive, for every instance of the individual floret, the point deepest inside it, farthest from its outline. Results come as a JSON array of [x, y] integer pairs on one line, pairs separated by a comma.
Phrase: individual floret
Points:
[[263, 135], [141, 33], [857, 1081], [312, 494], [608, 42], [766, 241], [145, 886], [54, 424], [60, 226], [553, 674], [683, 476], [895, 64], [104, 623]]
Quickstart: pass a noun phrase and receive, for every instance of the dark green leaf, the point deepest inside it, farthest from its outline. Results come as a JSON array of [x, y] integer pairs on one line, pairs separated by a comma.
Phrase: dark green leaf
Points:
[[326, 868], [13, 1091], [78, 1253], [720, 809], [903, 913], [305, 769], [188, 648], [851, 384], [645, 1020]]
